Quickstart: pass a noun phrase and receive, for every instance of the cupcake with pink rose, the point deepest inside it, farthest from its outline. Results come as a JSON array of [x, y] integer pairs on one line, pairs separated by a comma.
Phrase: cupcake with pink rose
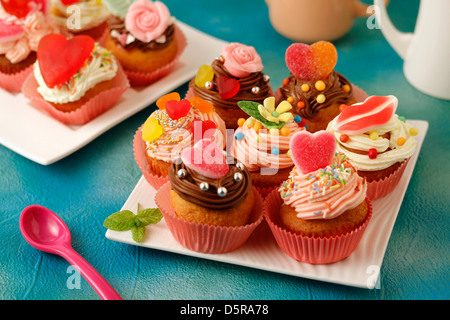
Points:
[[21, 28], [145, 39], [236, 75]]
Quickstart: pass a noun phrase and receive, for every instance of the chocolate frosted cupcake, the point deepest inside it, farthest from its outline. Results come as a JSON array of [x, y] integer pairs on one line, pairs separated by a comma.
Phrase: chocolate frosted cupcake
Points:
[[234, 76], [209, 204], [314, 88]]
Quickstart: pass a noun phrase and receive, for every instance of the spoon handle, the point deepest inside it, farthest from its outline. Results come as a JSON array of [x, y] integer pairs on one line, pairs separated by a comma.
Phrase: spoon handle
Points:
[[98, 283]]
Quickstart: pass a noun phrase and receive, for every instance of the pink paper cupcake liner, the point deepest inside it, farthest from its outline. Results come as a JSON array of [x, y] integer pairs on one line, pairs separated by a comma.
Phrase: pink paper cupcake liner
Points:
[[379, 188], [14, 82], [145, 78], [309, 249], [92, 109], [139, 149], [207, 238]]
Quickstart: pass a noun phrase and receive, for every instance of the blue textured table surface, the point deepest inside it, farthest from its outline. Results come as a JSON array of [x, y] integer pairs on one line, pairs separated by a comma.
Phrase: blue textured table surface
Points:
[[94, 182]]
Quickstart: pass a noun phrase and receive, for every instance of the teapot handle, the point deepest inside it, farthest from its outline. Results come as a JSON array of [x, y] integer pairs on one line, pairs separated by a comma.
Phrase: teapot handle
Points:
[[400, 41]]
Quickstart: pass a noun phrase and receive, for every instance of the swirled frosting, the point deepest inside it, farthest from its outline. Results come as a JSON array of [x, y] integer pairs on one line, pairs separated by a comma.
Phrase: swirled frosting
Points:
[[325, 193], [177, 134], [90, 14], [256, 149], [188, 186], [35, 25], [386, 144], [247, 83], [337, 90], [100, 66]]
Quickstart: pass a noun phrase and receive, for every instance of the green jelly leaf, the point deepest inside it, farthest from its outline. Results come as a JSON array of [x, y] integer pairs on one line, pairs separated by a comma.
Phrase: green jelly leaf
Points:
[[251, 108]]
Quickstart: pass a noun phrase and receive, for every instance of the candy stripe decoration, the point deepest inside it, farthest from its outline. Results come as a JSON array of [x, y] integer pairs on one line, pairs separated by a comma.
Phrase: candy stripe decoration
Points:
[[366, 116]]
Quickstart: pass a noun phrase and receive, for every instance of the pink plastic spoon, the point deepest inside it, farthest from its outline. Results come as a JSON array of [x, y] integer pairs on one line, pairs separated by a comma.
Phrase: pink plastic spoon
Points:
[[45, 231]]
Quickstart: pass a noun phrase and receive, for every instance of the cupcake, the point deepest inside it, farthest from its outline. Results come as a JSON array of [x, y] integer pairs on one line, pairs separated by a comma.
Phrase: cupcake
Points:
[[20, 33], [146, 41], [209, 203], [314, 88], [378, 142], [261, 142], [74, 80], [176, 125], [80, 17], [320, 213], [234, 76]]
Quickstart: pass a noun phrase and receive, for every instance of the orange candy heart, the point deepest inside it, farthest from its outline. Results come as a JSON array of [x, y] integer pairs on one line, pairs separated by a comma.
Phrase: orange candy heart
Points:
[[202, 105], [161, 102]]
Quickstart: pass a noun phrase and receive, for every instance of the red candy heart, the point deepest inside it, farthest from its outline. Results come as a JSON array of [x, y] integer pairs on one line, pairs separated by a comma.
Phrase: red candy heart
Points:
[[177, 109], [312, 151], [20, 8], [202, 129], [60, 59], [69, 2], [313, 62], [227, 87], [366, 116], [206, 158]]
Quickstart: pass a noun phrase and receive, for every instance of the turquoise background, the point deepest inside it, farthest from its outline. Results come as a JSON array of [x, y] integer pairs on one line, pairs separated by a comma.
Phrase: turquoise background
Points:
[[94, 182]]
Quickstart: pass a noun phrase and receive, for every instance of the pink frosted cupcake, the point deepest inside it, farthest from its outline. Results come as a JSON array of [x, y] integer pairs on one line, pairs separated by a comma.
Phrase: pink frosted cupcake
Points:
[[19, 39], [176, 125], [320, 213], [209, 204], [74, 80], [234, 76], [378, 142], [261, 142]]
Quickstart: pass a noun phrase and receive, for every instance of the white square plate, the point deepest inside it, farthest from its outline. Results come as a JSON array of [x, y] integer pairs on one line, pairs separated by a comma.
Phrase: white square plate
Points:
[[361, 269], [35, 135]]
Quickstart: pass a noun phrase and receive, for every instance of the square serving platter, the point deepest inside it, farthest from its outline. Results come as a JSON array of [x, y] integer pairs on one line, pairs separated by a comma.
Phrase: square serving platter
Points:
[[360, 269], [37, 136]]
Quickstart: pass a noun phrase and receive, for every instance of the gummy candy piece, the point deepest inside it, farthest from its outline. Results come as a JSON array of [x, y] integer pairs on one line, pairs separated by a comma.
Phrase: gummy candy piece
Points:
[[69, 2], [202, 105], [10, 32], [312, 151], [204, 74], [366, 116], [313, 62], [178, 109], [60, 59], [227, 87], [161, 102], [20, 8], [206, 158], [151, 130], [202, 129]]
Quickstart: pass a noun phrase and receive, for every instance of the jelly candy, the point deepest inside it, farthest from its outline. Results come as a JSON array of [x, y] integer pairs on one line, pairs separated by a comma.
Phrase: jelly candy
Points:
[[161, 102], [227, 87], [202, 129], [178, 109], [202, 105], [10, 32], [204, 74], [313, 62], [20, 8], [60, 59], [151, 130]]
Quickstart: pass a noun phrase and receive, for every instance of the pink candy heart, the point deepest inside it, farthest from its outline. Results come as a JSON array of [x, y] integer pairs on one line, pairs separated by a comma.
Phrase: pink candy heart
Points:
[[206, 158], [312, 151]]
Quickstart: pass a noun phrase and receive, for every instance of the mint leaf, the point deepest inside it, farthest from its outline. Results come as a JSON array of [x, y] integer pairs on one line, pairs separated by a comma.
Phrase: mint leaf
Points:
[[149, 216], [251, 108], [120, 221], [138, 233]]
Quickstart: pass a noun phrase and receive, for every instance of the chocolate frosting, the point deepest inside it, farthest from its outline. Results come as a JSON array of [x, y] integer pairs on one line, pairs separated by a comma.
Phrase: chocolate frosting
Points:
[[256, 79], [188, 187], [333, 92], [118, 24]]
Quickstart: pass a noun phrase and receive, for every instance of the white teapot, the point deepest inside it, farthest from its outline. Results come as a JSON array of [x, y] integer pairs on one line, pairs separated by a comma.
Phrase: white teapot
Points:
[[426, 52]]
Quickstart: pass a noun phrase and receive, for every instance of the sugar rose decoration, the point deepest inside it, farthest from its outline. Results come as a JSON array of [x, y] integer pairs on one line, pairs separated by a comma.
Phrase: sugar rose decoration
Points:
[[241, 60], [147, 20]]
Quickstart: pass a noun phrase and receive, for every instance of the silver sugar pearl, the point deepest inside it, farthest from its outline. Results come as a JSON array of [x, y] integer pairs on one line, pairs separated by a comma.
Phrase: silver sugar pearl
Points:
[[222, 192], [256, 90], [240, 166], [204, 186], [181, 173], [209, 85], [237, 176], [266, 78]]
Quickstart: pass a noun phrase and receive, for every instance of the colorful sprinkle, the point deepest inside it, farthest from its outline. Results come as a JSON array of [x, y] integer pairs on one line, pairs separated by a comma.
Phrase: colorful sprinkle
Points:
[[241, 122], [240, 136], [258, 126], [344, 138], [250, 122], [413, 131], [320, 85], [346, 88], [305, 87], [298, 119], [285, 131], [342, 107], [401, 141], [321, 98], [373, 153], [286, 82], [401, 118], [275, 151], [374, 136], [290, 99], [301, 104]]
